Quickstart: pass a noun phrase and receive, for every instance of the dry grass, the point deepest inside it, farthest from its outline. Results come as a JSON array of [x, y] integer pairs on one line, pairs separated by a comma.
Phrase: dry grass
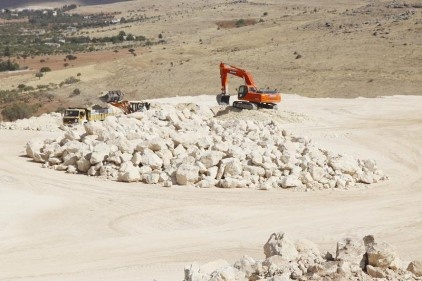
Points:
[[318, 49]]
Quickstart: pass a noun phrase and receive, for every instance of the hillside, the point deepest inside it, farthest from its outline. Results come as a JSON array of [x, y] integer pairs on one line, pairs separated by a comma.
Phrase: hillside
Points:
[[52, 3], [318, 49]]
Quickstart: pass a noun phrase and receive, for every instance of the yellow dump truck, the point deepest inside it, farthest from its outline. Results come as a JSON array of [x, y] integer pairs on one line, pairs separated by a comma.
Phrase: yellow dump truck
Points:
[[75, 116]]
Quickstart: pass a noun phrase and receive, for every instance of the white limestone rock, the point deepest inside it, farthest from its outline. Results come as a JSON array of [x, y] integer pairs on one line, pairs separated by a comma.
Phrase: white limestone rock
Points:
[[291, 181], [149, 158], [128, 173], [381, 254], [233, 167], [34, 145], [211, 158], [280, 244], [99, 153], [187, 174], [415, 267], [345, 164], [352, 250]]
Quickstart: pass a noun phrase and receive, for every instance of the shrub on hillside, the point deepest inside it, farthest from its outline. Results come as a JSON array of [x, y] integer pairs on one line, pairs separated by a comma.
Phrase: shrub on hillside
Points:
[[18, 111], [240, 23], [8, 66], [71, 80], [71, 57], [45, 69], [7, 96], [75, 92]]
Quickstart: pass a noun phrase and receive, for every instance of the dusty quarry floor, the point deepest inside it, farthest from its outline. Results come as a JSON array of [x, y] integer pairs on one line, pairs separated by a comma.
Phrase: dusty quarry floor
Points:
[[57, 226]]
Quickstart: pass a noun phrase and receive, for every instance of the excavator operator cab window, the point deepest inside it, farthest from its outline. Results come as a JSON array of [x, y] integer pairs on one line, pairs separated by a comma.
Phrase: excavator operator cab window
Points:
[[243, 90]]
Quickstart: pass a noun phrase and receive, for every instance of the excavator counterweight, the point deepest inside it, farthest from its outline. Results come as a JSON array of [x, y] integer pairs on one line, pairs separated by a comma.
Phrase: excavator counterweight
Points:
[[249, 96]]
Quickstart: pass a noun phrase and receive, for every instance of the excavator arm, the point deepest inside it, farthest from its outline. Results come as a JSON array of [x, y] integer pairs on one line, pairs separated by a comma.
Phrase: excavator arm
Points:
[[226, 69]]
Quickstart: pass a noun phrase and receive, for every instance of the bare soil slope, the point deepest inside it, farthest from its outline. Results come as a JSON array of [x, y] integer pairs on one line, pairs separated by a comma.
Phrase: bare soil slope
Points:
[[319, 49]]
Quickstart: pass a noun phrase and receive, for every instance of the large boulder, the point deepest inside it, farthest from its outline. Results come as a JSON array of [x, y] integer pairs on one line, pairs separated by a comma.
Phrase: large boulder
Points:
[[83, 165], [233, 167], [291, 181], [149, 158], [280, 244], [193, 273], [34, 145], [99, 153], [187, 174], [381, 254], [247, 265], [307, 247], [211, 158], [129, 173], [230, 182], [156, 144], [415, 267], [228, 273], [345, 164], [97, 129], [375, 272], [317, 173], [352, 250]]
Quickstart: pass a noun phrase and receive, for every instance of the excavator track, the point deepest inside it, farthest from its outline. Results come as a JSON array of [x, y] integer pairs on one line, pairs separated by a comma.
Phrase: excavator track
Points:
[[253, 106], [245, 105], [268, 105]]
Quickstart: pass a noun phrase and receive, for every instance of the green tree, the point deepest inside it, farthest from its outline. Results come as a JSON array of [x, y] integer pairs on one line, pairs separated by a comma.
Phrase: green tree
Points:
[[7, 52], [75, 92], [39, 75], [8, 66], [121, 35]]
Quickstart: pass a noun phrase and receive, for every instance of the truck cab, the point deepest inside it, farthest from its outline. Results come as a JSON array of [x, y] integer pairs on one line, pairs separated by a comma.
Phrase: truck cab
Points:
[[74, 116]]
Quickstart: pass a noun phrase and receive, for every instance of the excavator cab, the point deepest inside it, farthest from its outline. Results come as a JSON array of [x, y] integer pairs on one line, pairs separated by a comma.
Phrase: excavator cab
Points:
[[242, 91]]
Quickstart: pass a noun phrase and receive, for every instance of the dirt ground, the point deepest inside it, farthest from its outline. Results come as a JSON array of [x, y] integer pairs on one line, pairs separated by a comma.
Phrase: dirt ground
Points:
[[57, 226], [69, 227]]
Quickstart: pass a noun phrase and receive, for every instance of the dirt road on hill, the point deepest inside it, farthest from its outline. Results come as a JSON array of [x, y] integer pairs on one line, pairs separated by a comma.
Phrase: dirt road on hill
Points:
[[57, 226]]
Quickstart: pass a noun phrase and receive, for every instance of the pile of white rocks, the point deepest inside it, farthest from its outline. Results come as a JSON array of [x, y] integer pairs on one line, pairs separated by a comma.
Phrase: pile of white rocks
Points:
[[45, 122], [355, 259], [187, 145]]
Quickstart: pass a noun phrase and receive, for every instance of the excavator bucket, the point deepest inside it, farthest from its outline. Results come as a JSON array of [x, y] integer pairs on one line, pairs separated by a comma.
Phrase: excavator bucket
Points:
[[111, 96], [223, 99]]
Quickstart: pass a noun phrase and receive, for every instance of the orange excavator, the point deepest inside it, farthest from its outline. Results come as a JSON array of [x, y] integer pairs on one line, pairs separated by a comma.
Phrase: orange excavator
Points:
[[115, 98], [249, 96]]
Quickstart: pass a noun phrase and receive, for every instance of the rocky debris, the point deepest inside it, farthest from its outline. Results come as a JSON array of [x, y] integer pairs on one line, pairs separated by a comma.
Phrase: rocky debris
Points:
[[46, 122], [187, 145], [305, 262], [416, 268]]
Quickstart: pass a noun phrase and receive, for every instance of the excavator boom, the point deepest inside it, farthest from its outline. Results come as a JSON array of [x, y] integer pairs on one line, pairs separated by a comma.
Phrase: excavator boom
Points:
[[226, 69]]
